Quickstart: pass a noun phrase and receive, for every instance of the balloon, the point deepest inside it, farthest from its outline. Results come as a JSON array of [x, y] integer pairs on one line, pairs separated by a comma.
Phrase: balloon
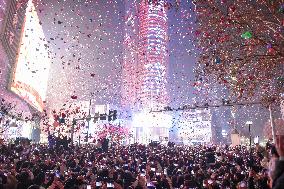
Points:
[[246, 35]]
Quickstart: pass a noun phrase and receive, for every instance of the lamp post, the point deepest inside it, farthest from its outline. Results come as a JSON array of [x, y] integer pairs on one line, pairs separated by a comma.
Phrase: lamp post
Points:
[[249, 123], [272, 123], [235, 136], [88, 119]]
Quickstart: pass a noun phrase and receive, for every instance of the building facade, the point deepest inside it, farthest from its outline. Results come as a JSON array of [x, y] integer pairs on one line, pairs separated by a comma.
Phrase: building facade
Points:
[[152, 55], [145, 69], [195, 127], [146, 55], [12, 16]]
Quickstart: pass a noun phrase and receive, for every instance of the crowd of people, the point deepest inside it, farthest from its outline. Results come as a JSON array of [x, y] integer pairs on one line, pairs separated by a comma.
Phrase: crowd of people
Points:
[[136, 166]]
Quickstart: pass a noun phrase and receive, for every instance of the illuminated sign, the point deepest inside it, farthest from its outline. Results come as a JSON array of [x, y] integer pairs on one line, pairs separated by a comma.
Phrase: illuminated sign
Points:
[[31, 69]]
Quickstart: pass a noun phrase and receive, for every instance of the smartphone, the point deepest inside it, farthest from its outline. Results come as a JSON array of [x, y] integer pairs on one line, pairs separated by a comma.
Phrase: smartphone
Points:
[[165, 172], [110, 185], [149, 184], [98, 184], [153, 169], [142, 174], [57, 175], [89, 187]]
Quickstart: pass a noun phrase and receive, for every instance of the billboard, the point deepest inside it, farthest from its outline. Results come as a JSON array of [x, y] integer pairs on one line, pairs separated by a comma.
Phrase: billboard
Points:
[[31, 68]]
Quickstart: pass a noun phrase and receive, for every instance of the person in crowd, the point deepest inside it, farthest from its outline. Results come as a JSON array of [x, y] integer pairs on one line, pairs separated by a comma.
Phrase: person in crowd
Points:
[[105, 143], [51, 140], [138, 166], [278, 173]]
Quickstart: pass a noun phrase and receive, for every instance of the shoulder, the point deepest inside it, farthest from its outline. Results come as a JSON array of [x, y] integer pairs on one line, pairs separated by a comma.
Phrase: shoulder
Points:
[[279, 168], [279, 175], [279, 182]]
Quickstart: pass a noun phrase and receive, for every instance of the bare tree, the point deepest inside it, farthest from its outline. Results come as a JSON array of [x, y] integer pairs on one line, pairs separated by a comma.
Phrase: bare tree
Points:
[[241, 44]]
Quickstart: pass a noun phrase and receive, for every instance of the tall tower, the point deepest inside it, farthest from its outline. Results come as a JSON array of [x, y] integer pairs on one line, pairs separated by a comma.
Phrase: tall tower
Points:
[[146, 55], [152, 55], [145, 68]]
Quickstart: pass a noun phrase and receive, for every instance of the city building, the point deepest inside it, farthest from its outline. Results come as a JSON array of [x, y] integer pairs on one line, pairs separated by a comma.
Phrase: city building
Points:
[[145, 68], [146, 55], [194, 127], [24, 63], [12, 15], [152, 55]]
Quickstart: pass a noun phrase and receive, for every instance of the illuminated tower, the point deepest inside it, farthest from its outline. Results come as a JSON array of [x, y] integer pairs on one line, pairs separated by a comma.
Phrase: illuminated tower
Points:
[[145, 69], [152, 55], [146, 55]]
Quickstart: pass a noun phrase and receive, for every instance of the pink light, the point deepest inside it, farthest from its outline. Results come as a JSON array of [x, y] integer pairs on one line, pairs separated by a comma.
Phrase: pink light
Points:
[[148, 61]]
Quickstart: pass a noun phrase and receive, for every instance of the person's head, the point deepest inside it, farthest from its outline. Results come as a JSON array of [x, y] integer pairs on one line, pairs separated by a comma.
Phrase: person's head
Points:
[[23, 177], [39, 178], [3, 178], [242, 185], [274, 152]]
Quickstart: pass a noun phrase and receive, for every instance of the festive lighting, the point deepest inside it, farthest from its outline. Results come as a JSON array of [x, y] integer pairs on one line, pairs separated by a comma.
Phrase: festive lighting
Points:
[[151, 126], [146, 54], [152, 54]]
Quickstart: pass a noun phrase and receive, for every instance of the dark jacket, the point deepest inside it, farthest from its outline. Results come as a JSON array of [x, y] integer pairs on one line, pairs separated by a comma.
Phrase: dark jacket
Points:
[[278, 181]]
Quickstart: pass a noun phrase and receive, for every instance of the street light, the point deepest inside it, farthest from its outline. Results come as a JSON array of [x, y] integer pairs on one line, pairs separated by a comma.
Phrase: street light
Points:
[[249, 123], [88, 119]]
